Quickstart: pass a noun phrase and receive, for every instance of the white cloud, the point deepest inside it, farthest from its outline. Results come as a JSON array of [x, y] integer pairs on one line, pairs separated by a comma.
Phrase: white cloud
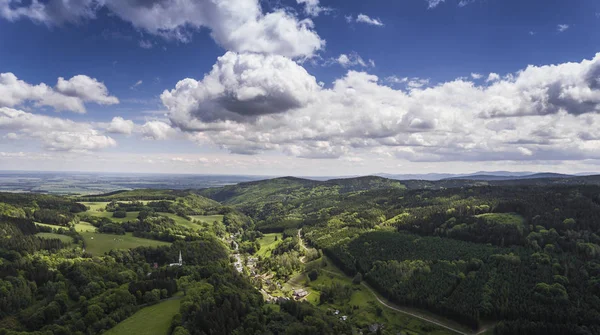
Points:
[[562, 27], [54, 133], [118, 125], [525, 151], [241, 87], [145, 44], [396, 80], [362, 18], [464, 3], [476, 76], [68, 95], [353, 59], [536, 114], [137, 83], [157, 130], [313, 7], [417, 83], [493, 77], [237, 25], [434, 3]]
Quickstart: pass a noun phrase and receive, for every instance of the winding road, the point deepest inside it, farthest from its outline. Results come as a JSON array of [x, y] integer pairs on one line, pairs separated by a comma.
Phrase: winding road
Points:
[[396, 308]]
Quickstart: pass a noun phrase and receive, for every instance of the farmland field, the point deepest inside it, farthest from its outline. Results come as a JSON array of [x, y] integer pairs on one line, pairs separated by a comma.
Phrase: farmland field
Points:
[[152, 320], [98, 244]]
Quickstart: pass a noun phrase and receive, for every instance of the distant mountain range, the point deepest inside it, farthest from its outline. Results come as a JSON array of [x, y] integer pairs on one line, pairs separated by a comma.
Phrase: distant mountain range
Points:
[[481, 175]]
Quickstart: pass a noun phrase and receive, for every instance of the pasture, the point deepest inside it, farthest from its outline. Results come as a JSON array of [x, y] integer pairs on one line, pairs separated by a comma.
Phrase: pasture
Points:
[[98, 244], [151, 320], [267, 243]]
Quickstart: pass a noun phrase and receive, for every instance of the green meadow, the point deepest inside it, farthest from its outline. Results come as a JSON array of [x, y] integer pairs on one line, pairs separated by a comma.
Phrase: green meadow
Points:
[[267, 243], [151, 320], [98, 244]]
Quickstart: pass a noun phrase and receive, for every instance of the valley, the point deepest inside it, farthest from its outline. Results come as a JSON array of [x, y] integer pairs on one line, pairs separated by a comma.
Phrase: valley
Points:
[[366, 255]]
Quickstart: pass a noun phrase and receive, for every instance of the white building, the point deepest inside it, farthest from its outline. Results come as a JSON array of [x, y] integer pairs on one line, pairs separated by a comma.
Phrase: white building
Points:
[[180, 261]]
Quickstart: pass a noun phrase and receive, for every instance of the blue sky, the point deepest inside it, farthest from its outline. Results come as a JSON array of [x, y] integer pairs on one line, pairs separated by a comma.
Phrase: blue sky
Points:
[[293, 90]]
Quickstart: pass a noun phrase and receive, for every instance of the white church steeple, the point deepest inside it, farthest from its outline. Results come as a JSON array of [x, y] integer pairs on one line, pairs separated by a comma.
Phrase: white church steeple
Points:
[[180, 263]]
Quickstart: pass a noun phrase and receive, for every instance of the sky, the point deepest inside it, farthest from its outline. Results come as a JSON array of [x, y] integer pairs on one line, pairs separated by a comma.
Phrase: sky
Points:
[[300, 87]]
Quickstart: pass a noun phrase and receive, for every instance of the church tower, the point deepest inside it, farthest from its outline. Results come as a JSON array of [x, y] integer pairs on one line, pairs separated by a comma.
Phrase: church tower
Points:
[[180, 259]]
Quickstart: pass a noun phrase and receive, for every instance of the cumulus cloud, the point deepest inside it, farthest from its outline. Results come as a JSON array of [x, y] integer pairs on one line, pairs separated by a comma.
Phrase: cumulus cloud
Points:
[[237, 25], [241, 87], [493, 77], [539, 113], [54, 133], [156, 130], [67, 95], [476, 76], [362, 18], [118, 125]]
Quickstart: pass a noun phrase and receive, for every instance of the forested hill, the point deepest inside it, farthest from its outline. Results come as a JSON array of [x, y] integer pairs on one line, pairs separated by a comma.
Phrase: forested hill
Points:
[[290, 188]]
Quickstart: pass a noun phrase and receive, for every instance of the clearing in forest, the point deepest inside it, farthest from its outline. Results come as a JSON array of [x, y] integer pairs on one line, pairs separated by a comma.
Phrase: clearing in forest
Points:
[[267, 243], [152, 320], [98, 244]]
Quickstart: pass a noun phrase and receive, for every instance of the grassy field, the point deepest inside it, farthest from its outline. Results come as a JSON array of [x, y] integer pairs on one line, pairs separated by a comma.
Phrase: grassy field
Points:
[[79, 227], [98, 244], [50, 225], [268, 243], [208, 218], [64, 238], [84, 227], [152, 320], [95, 206], [180, 221], [131, 216]]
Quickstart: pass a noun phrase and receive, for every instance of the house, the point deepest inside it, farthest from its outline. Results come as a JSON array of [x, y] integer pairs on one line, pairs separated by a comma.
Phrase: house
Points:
[[344, 318], [180, 263], [301, 293]]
